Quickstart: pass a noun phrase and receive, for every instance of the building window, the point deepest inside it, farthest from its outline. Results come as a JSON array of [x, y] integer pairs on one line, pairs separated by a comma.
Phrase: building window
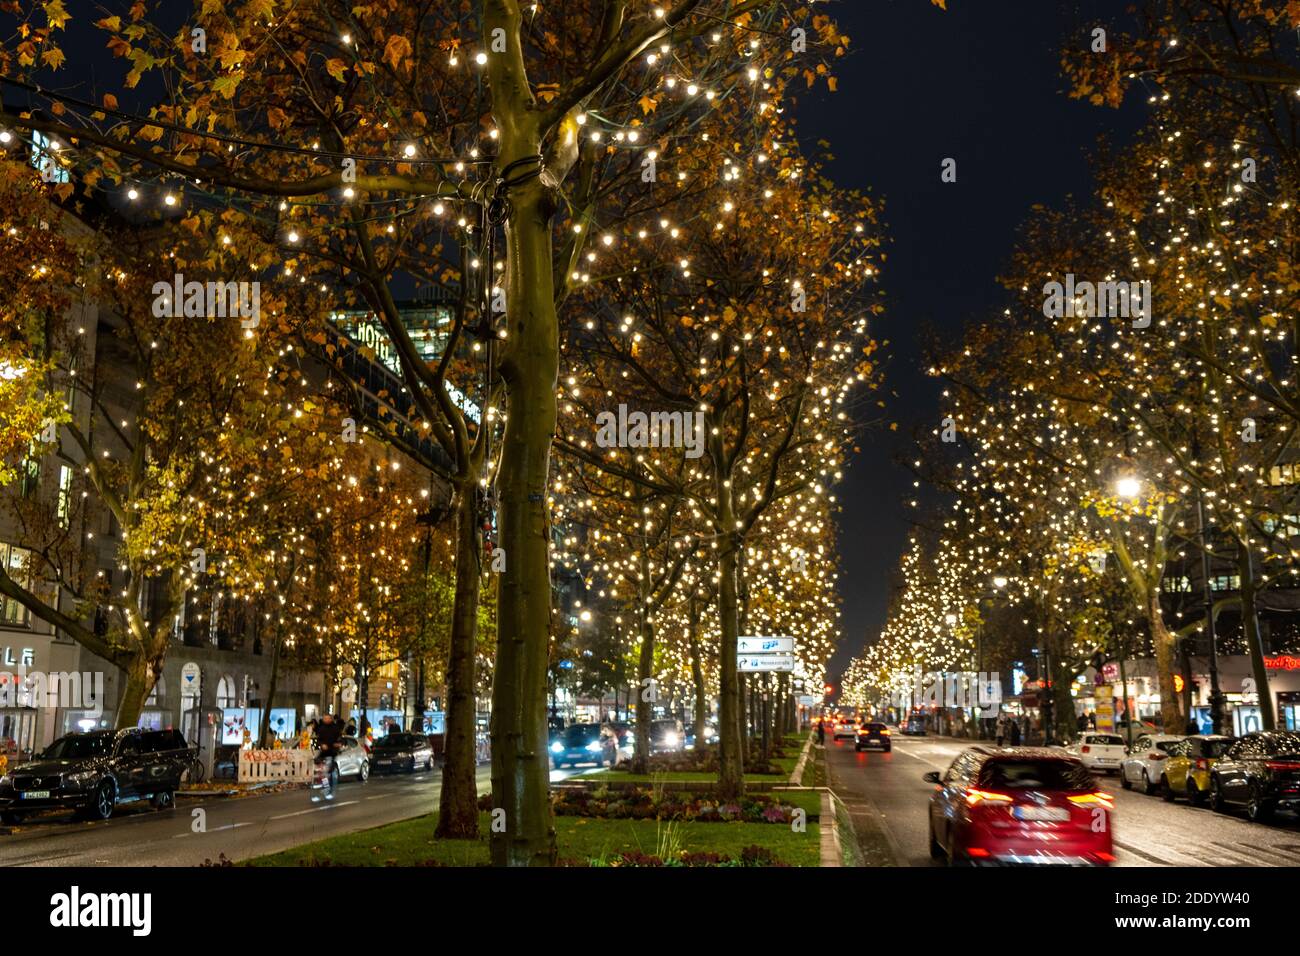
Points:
[[65, 495], [29, 471], [226, 692], [1287, 474], [14, 560], [43, 159]]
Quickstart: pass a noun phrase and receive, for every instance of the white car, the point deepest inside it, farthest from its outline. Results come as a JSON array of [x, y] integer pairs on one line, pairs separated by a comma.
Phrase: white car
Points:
[[1145, 763], [845, 729], [1102, 752]]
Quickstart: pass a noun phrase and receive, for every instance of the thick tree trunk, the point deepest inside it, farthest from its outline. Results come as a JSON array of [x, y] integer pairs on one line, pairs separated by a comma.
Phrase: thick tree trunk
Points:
[[701, 712], [520, 761], [731, 761], [135, 691], [1254, 640], [272, 683], [1163, 642], [644, 704], [458, 800]]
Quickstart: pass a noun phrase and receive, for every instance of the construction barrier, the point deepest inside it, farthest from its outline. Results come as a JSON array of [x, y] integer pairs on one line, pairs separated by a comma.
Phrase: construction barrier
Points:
[[294, 766]]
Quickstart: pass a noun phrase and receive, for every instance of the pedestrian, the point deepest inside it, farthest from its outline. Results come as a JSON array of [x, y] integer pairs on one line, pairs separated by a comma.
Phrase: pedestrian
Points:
[[1001, 728], [1082, 723], [821, 732], [1014, 734]]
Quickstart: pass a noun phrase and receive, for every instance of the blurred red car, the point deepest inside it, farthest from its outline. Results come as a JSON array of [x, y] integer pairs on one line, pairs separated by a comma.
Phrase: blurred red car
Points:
[[1025, 805]]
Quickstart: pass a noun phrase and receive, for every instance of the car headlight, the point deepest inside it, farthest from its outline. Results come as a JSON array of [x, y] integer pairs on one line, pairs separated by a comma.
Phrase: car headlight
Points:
[[6, 780], [557, 747], [670, 739], [595, 745], [80, 780]]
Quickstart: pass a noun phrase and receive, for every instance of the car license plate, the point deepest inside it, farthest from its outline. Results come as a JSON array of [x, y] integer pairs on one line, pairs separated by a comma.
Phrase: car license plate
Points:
[[36, 795], [385, 761], [1040, 813]]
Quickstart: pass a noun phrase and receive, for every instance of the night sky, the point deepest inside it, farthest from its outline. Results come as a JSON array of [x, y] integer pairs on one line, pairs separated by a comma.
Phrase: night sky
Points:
[[979, 83]]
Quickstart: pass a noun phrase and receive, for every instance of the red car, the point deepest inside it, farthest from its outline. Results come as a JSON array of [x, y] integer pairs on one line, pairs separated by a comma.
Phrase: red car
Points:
[[1025, 805]]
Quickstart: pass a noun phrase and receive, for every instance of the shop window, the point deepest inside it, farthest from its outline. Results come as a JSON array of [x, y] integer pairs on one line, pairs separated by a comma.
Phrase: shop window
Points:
[[1287, 474], [65, 496], [226, 692]]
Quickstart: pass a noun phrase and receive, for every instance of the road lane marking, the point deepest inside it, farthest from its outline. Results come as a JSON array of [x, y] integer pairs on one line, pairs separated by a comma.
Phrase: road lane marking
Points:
[[228, 826], [328, 806]]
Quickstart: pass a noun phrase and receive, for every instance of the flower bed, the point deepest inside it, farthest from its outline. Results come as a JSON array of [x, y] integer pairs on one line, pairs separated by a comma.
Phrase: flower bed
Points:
[[643, 804]]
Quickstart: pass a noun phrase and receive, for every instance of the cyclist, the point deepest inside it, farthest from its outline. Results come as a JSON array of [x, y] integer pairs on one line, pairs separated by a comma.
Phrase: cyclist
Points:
[[329, 733]]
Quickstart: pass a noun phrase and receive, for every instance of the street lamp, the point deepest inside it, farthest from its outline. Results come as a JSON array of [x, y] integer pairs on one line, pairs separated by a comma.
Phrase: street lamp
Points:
[[1128, 486]]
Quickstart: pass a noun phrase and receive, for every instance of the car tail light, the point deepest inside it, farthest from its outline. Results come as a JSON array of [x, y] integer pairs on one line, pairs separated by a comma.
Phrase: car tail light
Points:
[[975, 797], [1099, 798], [1202, 763], [977, 851], [1155, 755], [885, 732], [1085, 749], [1106, 857], [1281, 765]]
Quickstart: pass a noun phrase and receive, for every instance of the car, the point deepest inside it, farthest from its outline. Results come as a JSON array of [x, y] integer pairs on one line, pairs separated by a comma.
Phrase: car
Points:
[[1259, 771], [1145, 763], [625, 735], [393, 753], [352, 759], [915, 727], [585, 743], [845, 729], [710, 736], [1187, 771], [872, 734], [1101, 752], [1019, 805], [666, 735], [91, 773]]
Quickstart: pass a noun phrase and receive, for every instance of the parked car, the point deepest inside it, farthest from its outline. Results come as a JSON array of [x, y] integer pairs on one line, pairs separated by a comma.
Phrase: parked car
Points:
[[394, 753], [1187, 771], [625, 735], [1260, 772], [91, 773], [914, 727], [1019, 805], [710, 736], [666, 735], [586, 743], [872, 734], [1145, 763], [1099, 752]]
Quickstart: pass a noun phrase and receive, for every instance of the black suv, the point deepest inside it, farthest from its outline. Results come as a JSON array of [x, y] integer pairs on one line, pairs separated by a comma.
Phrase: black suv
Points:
[[872, 734], [1261, 772], [91, 773]]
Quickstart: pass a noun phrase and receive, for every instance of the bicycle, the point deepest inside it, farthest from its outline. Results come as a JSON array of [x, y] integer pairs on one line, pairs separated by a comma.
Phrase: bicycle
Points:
[[194, 773]]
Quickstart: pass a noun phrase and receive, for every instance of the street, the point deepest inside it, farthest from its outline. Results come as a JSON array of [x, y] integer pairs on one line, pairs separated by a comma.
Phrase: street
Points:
[[1148, 831], [240, 828]]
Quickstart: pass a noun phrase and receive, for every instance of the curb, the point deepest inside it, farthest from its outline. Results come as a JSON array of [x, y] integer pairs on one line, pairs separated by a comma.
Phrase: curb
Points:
[[796, 776], [830, 833]]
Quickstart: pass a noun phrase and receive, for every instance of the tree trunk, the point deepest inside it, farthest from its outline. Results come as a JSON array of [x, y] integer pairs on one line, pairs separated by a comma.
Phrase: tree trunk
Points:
[[272, 683], [140, 680], [1163, 642], [520, 760], [458, 800], [644, 698], [731, 761], [1254, 641], [697, 677]]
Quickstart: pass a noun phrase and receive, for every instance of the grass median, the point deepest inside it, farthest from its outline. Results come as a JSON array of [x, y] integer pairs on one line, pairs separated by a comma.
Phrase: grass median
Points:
[[582, 841]]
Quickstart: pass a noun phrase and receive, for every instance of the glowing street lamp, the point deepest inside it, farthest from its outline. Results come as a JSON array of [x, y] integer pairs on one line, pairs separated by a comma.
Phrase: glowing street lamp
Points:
[[1128, 487]]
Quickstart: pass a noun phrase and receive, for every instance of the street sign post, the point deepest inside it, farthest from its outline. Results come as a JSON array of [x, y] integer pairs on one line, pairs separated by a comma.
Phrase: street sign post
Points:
[[764, 645], [766, 662]]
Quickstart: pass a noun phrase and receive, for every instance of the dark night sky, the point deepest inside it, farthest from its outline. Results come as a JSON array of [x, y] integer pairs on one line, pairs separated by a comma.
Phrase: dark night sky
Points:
[[979, 83]]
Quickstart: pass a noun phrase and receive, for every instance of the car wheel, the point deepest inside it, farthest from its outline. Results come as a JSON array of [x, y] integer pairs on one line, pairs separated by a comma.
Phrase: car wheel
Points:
[[428, 763], [1167, 791], [1124, 781], [1258, 810], [887, 749], [1148, 787], [936, 849], [12, 819], [364, 773], [162, 800], [1195, 795], [1216, 797], [858, 747], [102, 803]]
